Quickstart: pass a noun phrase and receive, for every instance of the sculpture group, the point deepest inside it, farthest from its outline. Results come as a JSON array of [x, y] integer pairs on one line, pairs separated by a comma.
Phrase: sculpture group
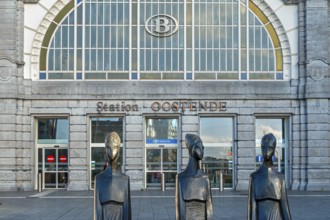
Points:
[[267, 199]]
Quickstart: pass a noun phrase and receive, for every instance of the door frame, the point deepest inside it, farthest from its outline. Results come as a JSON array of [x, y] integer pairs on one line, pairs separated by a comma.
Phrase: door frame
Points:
[[234, 144], [56, 148], [37, 146], [161, 145]]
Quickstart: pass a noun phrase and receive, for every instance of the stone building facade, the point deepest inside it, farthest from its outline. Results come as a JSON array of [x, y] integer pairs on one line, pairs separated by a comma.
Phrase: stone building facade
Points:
[[295, 104]]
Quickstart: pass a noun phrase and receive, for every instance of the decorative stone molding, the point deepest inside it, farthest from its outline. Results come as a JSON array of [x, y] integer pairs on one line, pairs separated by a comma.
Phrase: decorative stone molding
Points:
[[279, 29], [290, 2], [31, 1], [40, 34], [317, 68], [8, 68]]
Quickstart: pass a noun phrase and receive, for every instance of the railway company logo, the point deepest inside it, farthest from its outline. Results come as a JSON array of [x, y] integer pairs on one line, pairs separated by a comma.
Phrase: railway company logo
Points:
[[161, 25]]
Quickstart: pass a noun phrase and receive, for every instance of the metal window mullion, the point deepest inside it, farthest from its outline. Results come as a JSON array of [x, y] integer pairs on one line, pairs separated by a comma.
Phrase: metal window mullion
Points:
[[232, 40], [130, 50], [96, 38], [116, 35], [247, 41], [226, 42], [192, 39], [83, 40], [56, 165], [42, 166], [138, 39], [239, 40], [158, 51], [199, 37], [213, 39], [184, 40], [103, 40], [75, 42], [171, 46], [60, 48]]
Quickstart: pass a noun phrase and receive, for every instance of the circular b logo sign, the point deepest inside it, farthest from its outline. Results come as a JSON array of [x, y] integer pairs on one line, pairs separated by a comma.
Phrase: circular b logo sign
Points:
[[161, 25]]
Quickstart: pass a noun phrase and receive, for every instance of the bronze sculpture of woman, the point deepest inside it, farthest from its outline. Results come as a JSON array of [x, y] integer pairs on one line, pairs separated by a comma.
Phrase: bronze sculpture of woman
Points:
[[112, 199], [267, 193], [193, 193]]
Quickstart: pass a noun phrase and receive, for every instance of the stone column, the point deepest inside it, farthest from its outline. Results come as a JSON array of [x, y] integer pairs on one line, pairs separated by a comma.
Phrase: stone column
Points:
[[78, 164], [134, 154], [317, 95], [245, 144]]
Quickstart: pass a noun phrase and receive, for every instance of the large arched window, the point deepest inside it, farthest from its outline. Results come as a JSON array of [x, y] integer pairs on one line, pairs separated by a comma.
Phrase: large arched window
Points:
[[163, 40]]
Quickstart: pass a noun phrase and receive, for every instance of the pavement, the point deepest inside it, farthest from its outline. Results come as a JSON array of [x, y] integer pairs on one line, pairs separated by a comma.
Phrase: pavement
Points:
[[148, 205]]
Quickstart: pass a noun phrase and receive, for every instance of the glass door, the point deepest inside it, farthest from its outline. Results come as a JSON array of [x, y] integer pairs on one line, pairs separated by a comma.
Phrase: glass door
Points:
[[161, 151], [55, 168], [52, 145], [279, 128], [217, 136], [100, 128]]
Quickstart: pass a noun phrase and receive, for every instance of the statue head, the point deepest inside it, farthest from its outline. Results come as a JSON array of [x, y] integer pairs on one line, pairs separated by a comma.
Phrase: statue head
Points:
[[112, 146], [268, 145], [195, 146]]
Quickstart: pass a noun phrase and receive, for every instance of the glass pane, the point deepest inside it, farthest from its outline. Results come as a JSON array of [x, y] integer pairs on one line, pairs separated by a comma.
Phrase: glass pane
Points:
[[101, 127], [50, 180], [97, 162], [218, 159], [170, 159], [216, 130], [276, 127], [50, 160], [162, 130], [62, 159], [62, 180], [153, 159], [153, 179], [98, 159], [217, 136], [170, 179], [53, 131]]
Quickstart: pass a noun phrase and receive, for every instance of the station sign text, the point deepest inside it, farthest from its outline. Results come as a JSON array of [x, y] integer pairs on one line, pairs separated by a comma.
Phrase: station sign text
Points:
[[165, 106], [189, 106]]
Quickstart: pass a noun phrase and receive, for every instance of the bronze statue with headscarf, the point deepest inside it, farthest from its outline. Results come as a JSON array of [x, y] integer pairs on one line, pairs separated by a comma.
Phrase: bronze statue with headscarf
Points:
[[267, 198], [193, 193], [112, 199]]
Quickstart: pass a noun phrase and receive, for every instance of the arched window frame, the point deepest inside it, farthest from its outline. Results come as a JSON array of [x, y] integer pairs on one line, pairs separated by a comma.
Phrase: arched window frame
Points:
[[279, 75]]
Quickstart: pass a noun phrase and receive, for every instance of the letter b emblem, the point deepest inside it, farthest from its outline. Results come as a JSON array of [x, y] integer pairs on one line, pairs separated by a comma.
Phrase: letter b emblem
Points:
[[161, 25]]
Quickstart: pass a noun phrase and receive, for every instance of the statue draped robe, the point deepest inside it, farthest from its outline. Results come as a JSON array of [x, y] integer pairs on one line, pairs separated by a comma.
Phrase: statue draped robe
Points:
[[112, 196]]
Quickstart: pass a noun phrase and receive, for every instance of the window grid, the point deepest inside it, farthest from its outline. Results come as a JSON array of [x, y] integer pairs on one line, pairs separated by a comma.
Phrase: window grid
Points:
[[224, 45], [161, 54]]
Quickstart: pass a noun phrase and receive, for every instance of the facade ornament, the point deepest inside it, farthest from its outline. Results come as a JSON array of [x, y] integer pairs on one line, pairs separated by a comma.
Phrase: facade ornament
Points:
[[317, 68], [9, 68]]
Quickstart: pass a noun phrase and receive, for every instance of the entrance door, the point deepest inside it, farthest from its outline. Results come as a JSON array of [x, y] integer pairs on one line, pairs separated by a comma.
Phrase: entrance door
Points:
[[161, 151], [54, 168], [279, 128], [217, 136]]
